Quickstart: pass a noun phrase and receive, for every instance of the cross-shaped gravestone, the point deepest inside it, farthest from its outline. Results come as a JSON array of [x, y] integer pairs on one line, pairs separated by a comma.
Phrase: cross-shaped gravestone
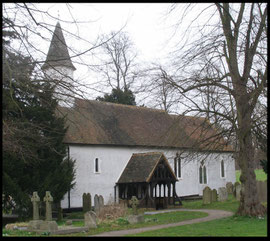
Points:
[[48, 199], [134, 203], [35, 200]]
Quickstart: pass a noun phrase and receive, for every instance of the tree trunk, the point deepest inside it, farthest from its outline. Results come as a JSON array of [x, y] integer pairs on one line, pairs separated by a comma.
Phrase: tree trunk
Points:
[[249, 202]]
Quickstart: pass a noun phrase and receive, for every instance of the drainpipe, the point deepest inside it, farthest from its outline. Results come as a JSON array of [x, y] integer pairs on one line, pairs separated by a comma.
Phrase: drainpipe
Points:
[[68, 190]]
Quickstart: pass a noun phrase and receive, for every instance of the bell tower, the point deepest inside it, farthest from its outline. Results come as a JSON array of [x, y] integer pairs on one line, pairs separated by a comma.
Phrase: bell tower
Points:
[[58, 68]]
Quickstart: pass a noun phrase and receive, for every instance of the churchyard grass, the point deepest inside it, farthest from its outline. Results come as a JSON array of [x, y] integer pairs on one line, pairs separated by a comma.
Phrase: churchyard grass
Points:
[[229, 227]]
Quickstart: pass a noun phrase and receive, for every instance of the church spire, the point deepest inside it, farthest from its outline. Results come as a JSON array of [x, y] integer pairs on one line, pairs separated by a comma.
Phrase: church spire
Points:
[[58, 52], [58, 68]]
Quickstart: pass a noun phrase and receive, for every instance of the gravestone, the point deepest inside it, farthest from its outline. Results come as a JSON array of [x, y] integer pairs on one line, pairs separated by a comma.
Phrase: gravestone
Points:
[[134, 204], [35, 200], [229, 187], [135, 218], [237, 190], [234, 188], [86, 202], [48, 225], [207, 195], [101, 202], [214, 195], [35, 223], [48, 199], [90, 219], [222, 194], [262, 190], [96, 204]]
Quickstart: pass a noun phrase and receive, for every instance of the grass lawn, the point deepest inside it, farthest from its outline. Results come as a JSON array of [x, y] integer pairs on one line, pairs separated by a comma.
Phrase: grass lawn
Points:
[[260, 175], [232, 226], [120, 224]]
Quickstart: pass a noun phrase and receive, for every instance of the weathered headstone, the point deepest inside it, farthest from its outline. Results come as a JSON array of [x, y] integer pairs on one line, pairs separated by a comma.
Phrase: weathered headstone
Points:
[[222, 194], [96, 204], [207, 195], [229, 187], [132, 219], [35, 200], [101, 202], [237, 190], [134, 204], [86, 202], [262, 190], [48, 199], [90, 219], [214, 195], [234, 188]]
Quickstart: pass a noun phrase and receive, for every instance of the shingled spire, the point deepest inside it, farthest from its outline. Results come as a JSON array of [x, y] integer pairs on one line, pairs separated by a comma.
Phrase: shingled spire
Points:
[[58, 68], [58, 52]]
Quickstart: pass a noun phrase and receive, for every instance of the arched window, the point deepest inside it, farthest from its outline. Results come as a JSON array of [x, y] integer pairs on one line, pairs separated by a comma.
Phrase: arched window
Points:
[[177, 166], [202, 174], [222, 168], [96, 165]]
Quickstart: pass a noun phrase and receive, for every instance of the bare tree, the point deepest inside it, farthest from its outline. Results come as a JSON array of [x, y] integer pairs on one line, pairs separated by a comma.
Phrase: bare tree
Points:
[[222, 72], [117, 61]]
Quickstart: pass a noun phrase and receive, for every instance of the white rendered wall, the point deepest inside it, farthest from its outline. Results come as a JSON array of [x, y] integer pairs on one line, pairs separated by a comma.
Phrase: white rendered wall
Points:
[[113, 160], [65, 86]]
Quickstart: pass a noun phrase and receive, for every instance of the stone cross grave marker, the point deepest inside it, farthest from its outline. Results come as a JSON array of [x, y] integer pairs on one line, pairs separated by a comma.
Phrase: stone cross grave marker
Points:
[[35, 200], [207, 195], [134, 203], [48, 199]]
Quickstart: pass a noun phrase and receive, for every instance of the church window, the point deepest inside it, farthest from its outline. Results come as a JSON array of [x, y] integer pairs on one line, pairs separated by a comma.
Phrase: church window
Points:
[[96, 165], [202, 174], [177, 166], [222, 169]]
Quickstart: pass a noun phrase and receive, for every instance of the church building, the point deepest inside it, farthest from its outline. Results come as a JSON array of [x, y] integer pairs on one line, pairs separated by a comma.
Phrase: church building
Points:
[[123, 151]]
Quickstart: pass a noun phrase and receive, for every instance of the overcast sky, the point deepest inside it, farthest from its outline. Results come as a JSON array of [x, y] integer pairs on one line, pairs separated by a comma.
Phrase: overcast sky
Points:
[[146, 23]]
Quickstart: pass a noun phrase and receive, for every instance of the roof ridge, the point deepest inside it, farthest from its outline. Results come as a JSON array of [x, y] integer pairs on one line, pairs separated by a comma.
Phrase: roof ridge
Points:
[[147, 153], [124, 105]]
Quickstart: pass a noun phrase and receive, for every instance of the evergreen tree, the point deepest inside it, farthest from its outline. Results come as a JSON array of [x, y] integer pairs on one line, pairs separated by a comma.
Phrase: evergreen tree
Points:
[[34, 155], [119, 96]]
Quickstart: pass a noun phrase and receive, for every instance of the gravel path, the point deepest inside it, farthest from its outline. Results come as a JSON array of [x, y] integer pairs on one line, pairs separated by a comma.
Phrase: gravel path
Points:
[[212, 214]]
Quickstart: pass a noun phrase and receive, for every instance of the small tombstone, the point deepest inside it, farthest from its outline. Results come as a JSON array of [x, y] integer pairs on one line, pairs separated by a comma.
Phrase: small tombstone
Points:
[[69, 222], [234, 188], [96, 204], [207, 195], [48, 199], [35, 200], [237, 190], [229, 187], [262, 190], [222, 194], [90, 219], [101, 202], [214, 195], [86, 202], [134, 204]]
